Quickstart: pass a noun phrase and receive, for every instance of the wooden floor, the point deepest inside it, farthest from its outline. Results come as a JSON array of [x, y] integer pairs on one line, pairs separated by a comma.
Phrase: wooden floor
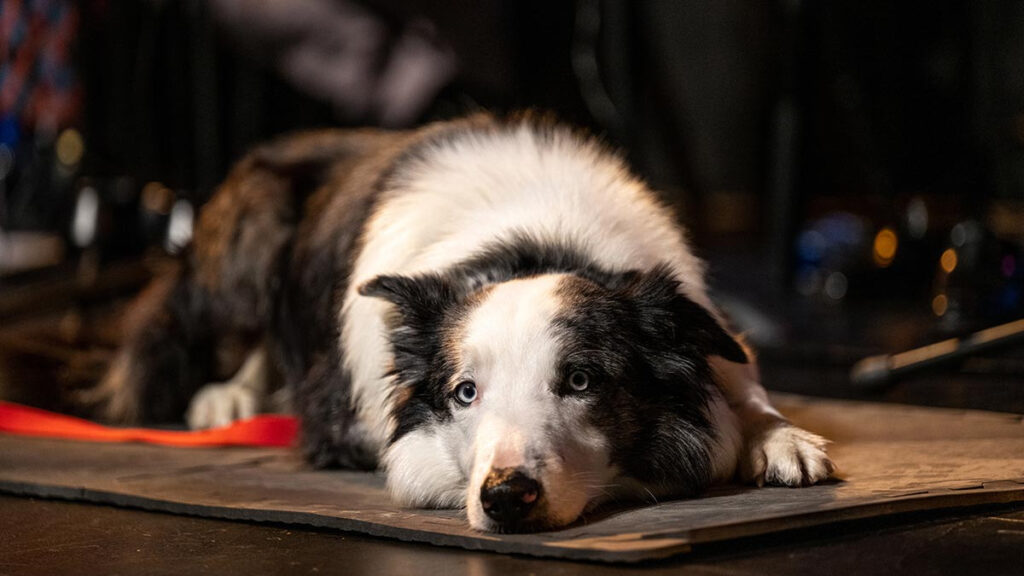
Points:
[[54, 538]]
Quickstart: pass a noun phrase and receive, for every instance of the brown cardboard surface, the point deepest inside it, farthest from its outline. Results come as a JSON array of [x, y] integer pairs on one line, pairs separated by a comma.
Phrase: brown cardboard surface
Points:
[[890, 459]]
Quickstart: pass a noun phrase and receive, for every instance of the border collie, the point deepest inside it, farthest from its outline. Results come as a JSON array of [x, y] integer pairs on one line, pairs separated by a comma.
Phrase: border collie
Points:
[[495, 312]]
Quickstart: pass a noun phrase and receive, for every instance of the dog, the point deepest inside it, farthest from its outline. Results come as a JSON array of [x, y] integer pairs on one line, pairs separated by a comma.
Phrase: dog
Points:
[[494, 311]]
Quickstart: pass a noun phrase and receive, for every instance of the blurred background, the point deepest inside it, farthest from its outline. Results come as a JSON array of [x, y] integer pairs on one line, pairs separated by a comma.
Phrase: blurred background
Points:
[[853, 170]]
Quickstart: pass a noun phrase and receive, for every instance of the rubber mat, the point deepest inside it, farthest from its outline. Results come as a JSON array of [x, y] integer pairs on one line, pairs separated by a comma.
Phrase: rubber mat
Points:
[[891, 459]]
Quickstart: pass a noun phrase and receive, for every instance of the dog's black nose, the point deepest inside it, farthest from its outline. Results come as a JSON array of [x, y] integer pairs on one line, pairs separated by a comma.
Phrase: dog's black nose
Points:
[[508, 495]]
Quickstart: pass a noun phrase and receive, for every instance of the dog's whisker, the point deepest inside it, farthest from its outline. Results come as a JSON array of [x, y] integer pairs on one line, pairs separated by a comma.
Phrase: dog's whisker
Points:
[[654, 499]]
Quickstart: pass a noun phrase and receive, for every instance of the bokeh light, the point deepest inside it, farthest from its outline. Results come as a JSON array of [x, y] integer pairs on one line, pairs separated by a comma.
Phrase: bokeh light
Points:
[[885, 246], [948, 260], [70, 147]]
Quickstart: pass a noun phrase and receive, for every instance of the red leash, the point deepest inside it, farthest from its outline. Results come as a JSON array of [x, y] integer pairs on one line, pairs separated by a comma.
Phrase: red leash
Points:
[[265, 430]]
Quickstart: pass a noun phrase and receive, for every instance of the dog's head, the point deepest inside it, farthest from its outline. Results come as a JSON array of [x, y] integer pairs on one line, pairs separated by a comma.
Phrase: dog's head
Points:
[[529, 400]]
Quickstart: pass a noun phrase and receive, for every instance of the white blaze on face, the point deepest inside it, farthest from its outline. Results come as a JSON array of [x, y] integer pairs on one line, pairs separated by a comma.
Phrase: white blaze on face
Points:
[[510, 348]]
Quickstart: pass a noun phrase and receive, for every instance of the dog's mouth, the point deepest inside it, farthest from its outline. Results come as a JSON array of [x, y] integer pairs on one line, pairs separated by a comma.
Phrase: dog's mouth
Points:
[[522, 527]]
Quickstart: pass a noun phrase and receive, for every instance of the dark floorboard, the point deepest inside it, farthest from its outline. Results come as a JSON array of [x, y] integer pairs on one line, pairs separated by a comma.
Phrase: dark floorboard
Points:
[[54, 538]]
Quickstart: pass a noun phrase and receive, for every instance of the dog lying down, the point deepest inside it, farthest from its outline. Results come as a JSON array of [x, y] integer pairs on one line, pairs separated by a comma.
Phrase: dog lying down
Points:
[[495, 312]]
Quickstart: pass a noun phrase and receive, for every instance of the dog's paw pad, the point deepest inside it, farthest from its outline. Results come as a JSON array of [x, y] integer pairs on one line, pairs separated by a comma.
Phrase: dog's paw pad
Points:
[[218, 405], [788, 456]]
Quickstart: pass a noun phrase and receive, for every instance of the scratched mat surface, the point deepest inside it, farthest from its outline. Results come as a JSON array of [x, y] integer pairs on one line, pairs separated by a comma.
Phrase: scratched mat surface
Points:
[[891, 459]]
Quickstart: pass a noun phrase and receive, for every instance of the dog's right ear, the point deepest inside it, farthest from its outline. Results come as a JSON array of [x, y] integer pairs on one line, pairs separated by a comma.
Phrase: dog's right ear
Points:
[[420, 300], [421, 303]]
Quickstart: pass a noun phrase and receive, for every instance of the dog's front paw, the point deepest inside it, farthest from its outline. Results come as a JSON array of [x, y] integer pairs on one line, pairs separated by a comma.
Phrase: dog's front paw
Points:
[[785, 455], [218, 405]]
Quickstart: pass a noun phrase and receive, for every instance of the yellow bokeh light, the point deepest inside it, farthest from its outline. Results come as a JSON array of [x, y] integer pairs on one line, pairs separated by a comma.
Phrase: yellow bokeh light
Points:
[[940, 304], [70, 147], [885, 247], [948, 260]]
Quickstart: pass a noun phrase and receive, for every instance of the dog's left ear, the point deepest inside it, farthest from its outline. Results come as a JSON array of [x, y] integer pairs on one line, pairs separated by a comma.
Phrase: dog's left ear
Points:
[[665, 313]]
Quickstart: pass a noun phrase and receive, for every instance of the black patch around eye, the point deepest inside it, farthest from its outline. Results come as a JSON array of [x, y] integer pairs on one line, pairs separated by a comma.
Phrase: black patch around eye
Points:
[[425, 308], [652, 406], [422, 393]]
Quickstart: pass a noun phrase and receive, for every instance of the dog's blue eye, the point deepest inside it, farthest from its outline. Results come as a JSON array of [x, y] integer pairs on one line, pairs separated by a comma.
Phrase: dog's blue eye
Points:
[[579, 381], [465, 392]]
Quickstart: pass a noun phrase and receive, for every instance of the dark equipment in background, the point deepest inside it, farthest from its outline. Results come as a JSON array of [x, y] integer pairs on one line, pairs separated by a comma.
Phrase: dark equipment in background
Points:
[[857, 169]]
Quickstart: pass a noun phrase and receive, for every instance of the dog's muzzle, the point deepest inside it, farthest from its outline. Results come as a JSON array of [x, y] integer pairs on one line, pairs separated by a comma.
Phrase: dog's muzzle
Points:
[[508, 496]]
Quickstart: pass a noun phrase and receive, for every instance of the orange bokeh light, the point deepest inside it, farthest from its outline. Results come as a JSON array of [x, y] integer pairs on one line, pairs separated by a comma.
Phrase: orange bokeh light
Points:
[[885, 247]]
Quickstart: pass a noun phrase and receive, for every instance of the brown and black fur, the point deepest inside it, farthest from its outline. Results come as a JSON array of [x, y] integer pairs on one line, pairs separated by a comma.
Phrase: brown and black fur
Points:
[[269, 261]]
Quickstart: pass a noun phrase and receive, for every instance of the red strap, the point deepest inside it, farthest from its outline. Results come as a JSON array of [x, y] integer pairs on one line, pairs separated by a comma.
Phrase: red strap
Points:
[[265, 430]]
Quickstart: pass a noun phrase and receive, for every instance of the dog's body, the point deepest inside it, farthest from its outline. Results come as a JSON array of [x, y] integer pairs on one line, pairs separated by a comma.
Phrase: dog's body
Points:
[[497, 313]]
